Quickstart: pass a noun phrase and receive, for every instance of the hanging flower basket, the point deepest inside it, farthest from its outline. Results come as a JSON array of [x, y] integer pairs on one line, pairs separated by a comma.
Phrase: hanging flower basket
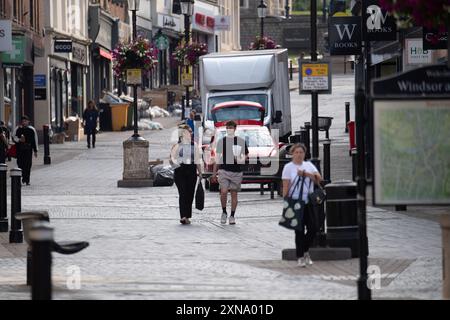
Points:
[[139, 54], [426, 13], [263, 44], [189, 55]]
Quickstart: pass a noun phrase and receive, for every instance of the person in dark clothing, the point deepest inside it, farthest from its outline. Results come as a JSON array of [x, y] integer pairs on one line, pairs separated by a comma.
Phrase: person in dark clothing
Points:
[[4, 138], [90, 119], [26, 140], [231, 152], [185, 158]]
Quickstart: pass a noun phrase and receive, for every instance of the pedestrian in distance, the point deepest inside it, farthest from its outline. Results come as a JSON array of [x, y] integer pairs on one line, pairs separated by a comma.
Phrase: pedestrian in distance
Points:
[[90, 119], [299, 168], [185, 158], [4, 141], [231, 155], [26, 140]]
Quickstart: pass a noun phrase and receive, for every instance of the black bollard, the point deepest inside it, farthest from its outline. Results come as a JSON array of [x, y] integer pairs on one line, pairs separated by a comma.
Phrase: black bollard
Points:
[[327, 161], [47, 159], [354, 153], [401, 208], [347, 115], [16, 234], [183, 107], [3, 199], [308, 140], [41, 238], [291, 71]]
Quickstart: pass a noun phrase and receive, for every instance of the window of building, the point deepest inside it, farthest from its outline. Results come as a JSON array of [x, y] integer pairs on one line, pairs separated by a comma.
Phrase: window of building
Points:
[[2, 8], [243, 3]]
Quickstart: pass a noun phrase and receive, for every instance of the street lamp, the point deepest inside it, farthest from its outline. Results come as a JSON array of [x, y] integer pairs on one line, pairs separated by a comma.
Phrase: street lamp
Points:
[[187, 8], [262, 12], [133, 5]]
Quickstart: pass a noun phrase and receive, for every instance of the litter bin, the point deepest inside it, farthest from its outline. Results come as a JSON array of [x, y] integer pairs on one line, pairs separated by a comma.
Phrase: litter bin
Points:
[[105, 117], [119, 116], [342, 216]]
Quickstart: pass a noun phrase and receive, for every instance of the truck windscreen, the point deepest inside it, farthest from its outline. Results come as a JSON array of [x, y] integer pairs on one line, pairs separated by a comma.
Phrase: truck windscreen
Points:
[[259, 98]]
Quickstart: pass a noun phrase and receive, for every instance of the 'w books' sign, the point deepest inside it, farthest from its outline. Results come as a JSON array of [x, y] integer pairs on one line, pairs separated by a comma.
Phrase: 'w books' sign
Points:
[[344, 34]]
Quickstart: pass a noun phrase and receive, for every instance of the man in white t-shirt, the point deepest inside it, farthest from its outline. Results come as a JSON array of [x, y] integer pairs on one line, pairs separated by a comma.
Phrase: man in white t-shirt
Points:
[[299, 168]]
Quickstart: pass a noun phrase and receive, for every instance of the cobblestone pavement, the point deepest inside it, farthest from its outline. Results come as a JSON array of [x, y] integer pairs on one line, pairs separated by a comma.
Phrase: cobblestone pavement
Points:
[[138, 250]]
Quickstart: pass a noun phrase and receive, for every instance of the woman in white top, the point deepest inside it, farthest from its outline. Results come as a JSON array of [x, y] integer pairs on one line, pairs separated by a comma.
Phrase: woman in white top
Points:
[[298, 167]]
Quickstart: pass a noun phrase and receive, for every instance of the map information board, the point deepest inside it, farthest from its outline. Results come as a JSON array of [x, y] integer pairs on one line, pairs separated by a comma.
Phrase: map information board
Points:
[[412, 152]]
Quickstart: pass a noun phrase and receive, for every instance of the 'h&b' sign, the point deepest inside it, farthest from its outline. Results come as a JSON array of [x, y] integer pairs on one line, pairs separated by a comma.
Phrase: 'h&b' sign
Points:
[[344, 34], [378, 24]]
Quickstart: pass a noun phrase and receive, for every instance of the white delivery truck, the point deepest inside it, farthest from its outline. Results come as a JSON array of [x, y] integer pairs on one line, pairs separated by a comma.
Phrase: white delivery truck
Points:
[[258, 76]]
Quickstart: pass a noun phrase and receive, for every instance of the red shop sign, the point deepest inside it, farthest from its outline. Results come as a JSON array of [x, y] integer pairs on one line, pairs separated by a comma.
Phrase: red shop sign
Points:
[[210, 22], [200, 19]]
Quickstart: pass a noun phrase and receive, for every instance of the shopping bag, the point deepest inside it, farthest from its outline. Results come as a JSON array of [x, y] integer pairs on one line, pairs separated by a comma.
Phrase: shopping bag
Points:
[[200, 196], [293, 209], [12, 151]]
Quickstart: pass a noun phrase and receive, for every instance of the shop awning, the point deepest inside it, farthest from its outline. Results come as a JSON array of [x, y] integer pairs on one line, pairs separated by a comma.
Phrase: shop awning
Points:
[[105, 54]]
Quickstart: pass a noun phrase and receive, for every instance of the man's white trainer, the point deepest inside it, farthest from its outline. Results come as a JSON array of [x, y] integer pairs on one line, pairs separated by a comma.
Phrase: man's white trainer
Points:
[[223, 220]]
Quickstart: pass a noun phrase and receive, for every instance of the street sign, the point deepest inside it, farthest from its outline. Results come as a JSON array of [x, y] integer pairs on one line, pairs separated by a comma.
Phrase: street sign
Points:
[[162, 42], [344, 34], [134, 76], [40, 80], [222, 23], [187, 79], [17, 54], [63, 46], [5, 35], [315, 77], [378, 24], [40, 94], [411, 126]]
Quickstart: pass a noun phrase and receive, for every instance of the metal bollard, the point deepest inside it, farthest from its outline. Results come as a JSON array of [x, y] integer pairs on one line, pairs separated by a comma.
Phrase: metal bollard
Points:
[[291, 71], [354, 153], [327, 161], [3, 199], [308, 140], [41, 238], [347, 115], [183, 106], [47, 159], [16, 234]]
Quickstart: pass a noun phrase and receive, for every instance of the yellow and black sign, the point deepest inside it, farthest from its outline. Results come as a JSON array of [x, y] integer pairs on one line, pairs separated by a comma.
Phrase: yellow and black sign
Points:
[[134, 76], [187, 79]]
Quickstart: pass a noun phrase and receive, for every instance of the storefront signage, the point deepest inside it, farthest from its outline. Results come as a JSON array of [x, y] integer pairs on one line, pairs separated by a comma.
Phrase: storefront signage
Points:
[[344, 35], [378, 24], [104, 36], [222, 23], [162, 42], [169, 22], [40, 94], [79, 54], [17, 54], [203, 21], [40, 80], [315, 77], [134, 76], [63, 46], [434, 40], [5, 36], [415, 54]]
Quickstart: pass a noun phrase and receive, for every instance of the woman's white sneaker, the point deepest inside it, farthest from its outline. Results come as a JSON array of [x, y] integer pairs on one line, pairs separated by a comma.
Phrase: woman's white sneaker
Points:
[[223, 220], [301, 262], [308, 260]]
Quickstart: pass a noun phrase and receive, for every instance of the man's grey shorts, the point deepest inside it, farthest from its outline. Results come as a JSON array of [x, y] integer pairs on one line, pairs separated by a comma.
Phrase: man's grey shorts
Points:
[[230, 180]]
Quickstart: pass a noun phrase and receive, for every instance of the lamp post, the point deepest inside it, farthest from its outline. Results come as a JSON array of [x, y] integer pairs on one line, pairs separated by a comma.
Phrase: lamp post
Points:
[[133, 5], [187, 9], [135, 149], [262, 12]]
